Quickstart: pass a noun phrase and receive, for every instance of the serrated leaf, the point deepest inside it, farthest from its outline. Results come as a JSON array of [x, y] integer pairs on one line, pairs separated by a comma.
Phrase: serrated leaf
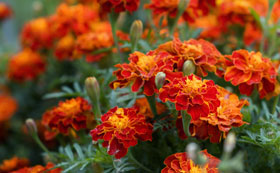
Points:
[[79, 151], [69, 152]]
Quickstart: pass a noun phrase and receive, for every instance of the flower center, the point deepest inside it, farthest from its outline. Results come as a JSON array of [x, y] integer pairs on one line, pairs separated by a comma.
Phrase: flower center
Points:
[[146, 63], [69, 108], [191, 86], [119, 120]]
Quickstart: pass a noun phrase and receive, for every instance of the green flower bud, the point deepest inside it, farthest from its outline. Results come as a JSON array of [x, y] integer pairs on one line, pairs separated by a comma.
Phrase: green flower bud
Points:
[[229, 144], [136, 31], [188, 67], [160, 79], [92, 88], [31, 126], [195, 155]]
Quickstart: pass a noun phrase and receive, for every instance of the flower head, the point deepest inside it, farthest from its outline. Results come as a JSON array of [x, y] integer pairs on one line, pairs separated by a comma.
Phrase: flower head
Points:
[[5, 11], [8, 106], [119, 5], [13, 164], [197, 97], [39, 169], [275, 14], [249, 70], [120, 129], [68, 115], [26, 65], [179, 162], [142, 70], [203, 54], [37, 34]]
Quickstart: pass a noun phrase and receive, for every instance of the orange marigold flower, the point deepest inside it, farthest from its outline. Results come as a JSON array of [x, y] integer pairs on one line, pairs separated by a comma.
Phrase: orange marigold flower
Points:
[[119, 5], [203, 54], [26, 65], [37, 34], [39, 169], [179, 162], [68, 115], [65, 48], [197, 97], [13, 164], [5, 11], [250, 69], [141, 71], [164, 7], [120, 129], [275, 14], [217, 125], [8, 106], [144, 107]]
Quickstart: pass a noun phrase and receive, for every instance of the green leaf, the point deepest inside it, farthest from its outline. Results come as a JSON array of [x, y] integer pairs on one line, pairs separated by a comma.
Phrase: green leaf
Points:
[[69, 152], [79, 151]]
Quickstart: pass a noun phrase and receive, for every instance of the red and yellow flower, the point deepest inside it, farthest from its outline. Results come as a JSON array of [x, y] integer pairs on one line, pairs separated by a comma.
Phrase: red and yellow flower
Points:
[[197, 97], [120, 129], [39, 169], [13, 164], [119, 5], [72, 114], [26, 65], [202, 53], [37, 34], [141, 71], [249, 70], [5, 11], [179, 162], [217, 125]]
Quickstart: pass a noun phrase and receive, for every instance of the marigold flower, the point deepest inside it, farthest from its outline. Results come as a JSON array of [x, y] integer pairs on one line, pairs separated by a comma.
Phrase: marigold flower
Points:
[[179, 162], [144, 107], [26, 65], [68, 115], [275, 14], [8, 106], [141, 71], [217, 124], [119, 5], [249, 70], [65, 48], [37, 34], [13, 164], [120, 129], [203, 54], [5, 11], [197, 97], [39, 169]]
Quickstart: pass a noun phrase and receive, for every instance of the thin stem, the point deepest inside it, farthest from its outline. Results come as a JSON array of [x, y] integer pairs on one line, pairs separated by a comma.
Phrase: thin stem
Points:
[[43, 147], [186, 122], [275, 103], [97, 111], [138, 163], [113, 17], [152, 103]]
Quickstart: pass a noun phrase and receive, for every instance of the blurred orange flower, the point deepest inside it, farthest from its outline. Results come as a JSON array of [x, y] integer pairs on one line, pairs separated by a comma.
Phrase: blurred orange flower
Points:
[[202, 53], [13, 164], [179, 162], [5, 11], [249, 70], [37, 34], [120, 129], [68, 115], [144, 107], [119, 5], [217, 125], [141, 71], [64, 48], [26, 65], [197, 97], [8, 106], [39, 169], [275, 14]]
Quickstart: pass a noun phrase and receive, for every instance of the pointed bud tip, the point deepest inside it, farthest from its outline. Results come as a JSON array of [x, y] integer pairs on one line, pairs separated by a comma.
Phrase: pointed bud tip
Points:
[[160, 79], [31, 126], [92, 88]]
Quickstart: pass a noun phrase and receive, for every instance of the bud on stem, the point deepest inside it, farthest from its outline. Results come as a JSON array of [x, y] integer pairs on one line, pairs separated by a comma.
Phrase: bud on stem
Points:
[[188, 67], [136, 31], [194, 154], [31, 126], [160, 79]]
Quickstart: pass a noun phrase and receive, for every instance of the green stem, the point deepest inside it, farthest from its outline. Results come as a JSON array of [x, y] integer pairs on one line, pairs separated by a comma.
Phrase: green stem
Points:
[[138, 163], [97, 111], [113, 17], [43, 147], [275, 103], [152, 103], [186, 122]]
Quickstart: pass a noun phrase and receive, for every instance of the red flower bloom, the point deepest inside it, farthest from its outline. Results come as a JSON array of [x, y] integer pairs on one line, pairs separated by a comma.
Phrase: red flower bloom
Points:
[[39, 169], [216, 125], [141, 71], [197, 97], [12, 164], [5, 11], [70, 114], [120, 129], [26, 65], [203, 54], [37, 34], [119, 5], [250, 69], [179, 162]]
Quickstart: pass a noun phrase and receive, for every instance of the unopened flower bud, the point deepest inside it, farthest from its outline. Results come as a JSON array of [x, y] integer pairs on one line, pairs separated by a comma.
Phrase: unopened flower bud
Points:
[[37, 6], [188, 67], [194, 154], [278, 32], [160, 79], [31, 126], [229, 144], [92, 88], [136, 31]]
